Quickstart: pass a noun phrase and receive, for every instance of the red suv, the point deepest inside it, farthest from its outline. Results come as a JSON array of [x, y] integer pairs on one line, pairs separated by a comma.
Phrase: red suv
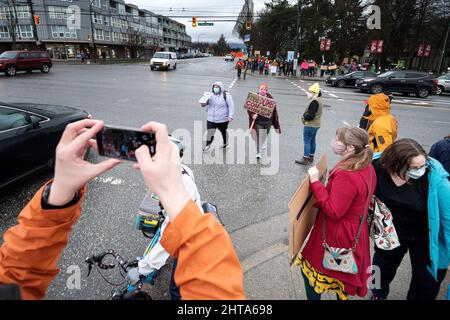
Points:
[[13, 61]]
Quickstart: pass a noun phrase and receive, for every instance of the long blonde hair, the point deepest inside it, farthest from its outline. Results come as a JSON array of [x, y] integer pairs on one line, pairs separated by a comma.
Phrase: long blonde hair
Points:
[[359, 139]]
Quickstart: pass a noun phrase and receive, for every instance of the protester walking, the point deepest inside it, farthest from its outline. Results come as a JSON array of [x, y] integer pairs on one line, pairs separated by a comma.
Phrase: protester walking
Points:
[[220, 108], [416, 190], [311, 123], [239, 66], [261, 125], [336, 257]]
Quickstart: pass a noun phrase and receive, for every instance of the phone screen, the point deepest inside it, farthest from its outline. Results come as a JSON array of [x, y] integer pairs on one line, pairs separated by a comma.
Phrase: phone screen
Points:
[[121, 143]]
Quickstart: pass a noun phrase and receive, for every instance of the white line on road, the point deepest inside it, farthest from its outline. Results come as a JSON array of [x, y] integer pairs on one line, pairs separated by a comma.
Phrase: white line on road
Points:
[[232, 83], [333, 95], [445, 122], [341, 100]]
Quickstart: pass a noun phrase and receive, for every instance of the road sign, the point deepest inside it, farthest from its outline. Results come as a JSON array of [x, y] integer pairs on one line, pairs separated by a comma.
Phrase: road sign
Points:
[[205, 24], [246, 37]]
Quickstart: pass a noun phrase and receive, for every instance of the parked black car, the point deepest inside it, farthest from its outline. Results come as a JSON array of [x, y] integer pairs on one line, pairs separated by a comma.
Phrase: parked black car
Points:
[[349, 79], [29, 134], [421, 84]]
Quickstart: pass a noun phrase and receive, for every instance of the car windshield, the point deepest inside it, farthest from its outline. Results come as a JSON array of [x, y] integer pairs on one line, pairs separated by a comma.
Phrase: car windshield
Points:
[[386, 74], [7, 55], [161, 56]]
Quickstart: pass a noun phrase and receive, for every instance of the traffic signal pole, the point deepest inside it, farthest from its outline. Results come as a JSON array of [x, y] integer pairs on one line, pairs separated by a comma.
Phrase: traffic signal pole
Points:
[[33, 22]]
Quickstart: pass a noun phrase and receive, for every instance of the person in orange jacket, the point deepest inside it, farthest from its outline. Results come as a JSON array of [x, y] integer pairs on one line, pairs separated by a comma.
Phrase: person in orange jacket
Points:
[[208, 267], [382, 126]]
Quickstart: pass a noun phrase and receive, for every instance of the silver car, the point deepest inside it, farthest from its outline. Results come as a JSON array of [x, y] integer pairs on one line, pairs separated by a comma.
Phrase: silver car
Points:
[[443, 84]]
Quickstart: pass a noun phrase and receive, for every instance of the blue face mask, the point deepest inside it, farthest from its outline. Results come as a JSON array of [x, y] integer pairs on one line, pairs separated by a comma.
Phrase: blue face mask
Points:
[[416, 173], [216, 90]]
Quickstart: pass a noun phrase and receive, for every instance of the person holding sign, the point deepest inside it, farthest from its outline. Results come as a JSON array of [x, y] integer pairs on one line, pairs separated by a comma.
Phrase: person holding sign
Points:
[[311, 121], [336, 257], [220, 108], [262, 124]]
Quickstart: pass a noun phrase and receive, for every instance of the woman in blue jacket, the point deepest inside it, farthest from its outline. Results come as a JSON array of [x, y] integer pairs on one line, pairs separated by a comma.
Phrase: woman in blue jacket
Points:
[[416, 190]]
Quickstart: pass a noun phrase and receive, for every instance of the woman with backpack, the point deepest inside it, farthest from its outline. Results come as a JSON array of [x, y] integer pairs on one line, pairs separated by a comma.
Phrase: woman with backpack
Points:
[[220, 108], [336, 257]]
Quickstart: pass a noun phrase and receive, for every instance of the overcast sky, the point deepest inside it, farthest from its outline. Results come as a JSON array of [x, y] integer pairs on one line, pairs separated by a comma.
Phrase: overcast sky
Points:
[[199, 8]]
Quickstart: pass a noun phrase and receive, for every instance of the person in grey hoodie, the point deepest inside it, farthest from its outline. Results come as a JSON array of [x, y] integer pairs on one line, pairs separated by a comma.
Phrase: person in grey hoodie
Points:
[[220, 108]]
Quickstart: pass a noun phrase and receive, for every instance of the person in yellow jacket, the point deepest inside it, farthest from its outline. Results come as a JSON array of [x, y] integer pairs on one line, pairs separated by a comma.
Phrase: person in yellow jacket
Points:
[[208, 267], [382, 126]]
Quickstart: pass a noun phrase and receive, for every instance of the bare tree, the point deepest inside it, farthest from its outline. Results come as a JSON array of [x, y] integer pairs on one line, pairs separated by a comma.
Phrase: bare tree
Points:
[[12, 21], [137, 40]]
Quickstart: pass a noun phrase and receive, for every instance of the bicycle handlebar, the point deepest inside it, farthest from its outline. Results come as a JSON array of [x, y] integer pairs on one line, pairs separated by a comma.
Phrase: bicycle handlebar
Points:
[[98, 260]]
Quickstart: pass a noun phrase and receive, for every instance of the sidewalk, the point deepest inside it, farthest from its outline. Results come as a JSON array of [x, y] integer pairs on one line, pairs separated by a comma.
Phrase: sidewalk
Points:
[[263, 250]]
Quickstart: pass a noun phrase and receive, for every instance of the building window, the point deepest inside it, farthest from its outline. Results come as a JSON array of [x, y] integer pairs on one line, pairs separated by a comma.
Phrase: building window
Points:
[[99, 34], [26, 32], [23, 12], [58, 13], [97, 3], [4, 32], [107, 36], [97, 18], [106, 21], [121, 8], [124, 24], [62, 32]]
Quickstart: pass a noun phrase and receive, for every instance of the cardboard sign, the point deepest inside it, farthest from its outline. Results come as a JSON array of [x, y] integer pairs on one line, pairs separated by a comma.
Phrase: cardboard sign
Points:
[[302, 214], [205, 97], [260, 105]]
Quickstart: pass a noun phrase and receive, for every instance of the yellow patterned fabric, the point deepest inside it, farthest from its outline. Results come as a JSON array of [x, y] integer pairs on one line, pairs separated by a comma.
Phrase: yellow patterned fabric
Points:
[[320, 282]]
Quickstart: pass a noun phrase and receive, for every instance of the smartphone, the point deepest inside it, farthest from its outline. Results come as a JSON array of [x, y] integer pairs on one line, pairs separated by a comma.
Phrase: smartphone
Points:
[[122, 142]]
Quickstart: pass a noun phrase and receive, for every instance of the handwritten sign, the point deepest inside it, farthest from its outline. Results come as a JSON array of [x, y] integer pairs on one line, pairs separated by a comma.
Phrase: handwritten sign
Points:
[[302, 213], [260, 105]]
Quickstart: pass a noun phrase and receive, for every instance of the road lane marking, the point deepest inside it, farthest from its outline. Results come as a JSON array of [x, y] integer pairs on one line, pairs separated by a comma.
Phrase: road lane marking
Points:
[[333, 95]]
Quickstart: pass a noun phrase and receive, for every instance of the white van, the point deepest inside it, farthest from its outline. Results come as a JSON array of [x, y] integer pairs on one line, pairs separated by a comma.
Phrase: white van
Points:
[[163, 60]]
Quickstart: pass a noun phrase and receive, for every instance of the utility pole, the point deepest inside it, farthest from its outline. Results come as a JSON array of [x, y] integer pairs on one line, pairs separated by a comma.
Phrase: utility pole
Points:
[[441, 59], [33, 22], [94, 47], [297, 31]]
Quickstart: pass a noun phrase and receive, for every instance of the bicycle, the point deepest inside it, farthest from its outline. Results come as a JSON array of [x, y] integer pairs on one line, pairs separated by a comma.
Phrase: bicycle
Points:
[[151, 228]]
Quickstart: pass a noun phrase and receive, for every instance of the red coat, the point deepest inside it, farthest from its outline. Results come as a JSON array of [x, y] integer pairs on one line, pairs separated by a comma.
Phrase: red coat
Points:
[[342, 201]]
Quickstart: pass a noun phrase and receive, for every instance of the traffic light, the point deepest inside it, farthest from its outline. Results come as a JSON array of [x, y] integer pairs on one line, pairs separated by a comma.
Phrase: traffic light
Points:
[[89, 37], [194, 22], [37, 20], [248, 25]]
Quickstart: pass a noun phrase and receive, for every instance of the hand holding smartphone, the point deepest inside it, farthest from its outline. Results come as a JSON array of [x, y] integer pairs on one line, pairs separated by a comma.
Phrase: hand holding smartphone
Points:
[[121, 142]]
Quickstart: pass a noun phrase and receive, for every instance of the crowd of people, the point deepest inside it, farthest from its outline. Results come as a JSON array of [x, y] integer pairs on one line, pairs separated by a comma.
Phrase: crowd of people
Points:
[[303, 68], [414, 185]]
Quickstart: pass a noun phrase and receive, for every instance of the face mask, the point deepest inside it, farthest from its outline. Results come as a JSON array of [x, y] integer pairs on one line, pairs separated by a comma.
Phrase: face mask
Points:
[[263, 92], [216, 90], [416, 173], [337, 147]]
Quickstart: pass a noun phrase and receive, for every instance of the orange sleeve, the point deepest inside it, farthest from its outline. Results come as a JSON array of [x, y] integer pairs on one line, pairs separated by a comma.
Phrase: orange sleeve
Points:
[[31, 249], [208, 267]]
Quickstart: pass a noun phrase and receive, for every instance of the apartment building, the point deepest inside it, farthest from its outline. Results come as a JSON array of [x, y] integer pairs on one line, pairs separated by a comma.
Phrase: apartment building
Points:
[[66, 28]]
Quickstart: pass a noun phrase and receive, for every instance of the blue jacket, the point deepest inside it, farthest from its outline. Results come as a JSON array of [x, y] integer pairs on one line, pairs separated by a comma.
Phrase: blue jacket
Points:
[[438, 215], [218, 109]]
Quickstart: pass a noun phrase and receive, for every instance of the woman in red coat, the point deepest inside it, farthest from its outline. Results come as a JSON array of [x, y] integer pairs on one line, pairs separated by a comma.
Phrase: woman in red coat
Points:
[[343, 203], [259, 125]]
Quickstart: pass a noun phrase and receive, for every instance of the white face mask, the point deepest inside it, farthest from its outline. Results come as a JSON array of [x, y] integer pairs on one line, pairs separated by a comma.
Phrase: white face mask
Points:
[[416, 173]]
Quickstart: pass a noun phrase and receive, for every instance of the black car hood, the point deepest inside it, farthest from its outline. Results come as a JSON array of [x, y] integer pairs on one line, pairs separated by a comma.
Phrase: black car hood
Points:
[[48, 109]]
